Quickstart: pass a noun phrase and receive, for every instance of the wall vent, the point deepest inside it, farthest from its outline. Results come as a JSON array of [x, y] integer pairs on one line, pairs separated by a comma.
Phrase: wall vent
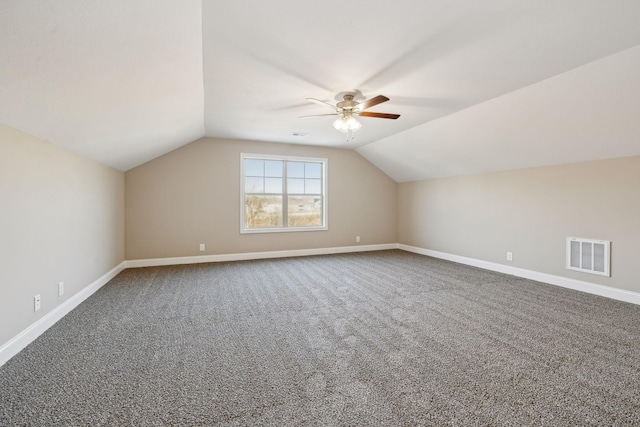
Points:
[[589, 256]]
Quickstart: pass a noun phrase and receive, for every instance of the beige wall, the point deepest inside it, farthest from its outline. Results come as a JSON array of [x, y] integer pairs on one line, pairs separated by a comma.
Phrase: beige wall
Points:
[[530, 212], [192, 196], [61, 219], [63, 216]]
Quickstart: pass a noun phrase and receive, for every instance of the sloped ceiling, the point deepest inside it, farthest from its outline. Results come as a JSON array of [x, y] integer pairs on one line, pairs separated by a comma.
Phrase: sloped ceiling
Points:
[[117, 81], [480, 86]]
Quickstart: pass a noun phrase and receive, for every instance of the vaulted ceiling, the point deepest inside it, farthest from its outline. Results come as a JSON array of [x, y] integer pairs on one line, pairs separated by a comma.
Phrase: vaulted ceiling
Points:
[[480, 85]]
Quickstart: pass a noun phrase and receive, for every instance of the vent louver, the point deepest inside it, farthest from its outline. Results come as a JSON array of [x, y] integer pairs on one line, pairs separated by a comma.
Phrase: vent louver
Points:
[[589, 256]]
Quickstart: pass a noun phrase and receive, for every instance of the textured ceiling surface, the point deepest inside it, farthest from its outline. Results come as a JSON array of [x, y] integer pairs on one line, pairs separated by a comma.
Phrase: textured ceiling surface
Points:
[[116, 81], [480, 86]]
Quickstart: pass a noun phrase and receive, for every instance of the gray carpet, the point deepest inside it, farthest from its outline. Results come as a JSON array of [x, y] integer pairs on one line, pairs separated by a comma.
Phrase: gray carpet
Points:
[[373, 339]]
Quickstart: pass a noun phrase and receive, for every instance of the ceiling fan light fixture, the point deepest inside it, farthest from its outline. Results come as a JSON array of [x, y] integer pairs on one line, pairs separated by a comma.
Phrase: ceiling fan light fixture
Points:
[[347, 109], [347, 124]]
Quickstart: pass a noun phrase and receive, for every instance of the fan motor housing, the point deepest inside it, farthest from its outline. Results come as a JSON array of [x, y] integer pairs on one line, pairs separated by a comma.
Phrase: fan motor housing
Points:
[[348, 103]]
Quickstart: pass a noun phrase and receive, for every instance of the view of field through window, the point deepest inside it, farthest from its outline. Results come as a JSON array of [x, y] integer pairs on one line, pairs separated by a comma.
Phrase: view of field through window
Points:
[[282, 193]]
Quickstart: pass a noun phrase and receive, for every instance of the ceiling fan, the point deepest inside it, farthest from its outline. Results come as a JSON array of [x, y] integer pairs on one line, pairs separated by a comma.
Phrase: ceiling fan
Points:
[[348, 108]]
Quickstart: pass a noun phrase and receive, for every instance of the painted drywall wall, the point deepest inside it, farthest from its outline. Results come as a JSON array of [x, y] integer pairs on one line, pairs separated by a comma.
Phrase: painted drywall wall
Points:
[[530, 212], [192, 196], [61, 219]]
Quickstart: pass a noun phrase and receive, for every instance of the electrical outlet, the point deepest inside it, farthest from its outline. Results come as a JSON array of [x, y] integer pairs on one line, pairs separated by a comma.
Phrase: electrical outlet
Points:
[[36, 303], [60, 289], [357, 239], [509, 256], [201, 247]]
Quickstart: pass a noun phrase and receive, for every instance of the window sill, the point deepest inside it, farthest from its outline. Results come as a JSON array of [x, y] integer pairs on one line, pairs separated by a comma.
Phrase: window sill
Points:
[[282, 230]]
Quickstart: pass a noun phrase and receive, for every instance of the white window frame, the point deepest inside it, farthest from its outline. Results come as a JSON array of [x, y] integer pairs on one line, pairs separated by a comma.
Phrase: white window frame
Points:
[[284, 229]]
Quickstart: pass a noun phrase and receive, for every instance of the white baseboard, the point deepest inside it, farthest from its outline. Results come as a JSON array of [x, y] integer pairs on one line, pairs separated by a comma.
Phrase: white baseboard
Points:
[[24, 338], [20, 341], [591, 288], [255, 255]]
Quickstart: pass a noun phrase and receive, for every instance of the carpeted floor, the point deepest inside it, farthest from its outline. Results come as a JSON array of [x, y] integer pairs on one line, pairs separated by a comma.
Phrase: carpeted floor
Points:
[[384, 338]]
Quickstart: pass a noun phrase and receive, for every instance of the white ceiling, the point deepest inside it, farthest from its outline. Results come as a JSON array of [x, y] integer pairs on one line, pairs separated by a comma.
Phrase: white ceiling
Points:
[[480, 85], [119, 81]]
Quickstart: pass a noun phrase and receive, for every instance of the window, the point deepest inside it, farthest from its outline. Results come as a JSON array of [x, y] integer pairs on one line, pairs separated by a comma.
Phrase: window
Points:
[[282, 193]]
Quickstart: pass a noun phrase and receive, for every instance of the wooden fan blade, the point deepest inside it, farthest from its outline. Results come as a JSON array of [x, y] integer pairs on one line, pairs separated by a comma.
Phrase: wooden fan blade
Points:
[[317, 101], [379, 115], [318, 115], [371, 102]]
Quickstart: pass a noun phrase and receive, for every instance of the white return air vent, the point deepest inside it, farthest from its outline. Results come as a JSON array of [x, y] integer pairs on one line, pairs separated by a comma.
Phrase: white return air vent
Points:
[[589, 256]]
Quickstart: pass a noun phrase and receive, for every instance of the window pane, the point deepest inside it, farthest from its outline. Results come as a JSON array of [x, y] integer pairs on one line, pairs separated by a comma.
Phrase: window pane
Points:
[[273, 185], [304, 211], [273, 168], [253, 185], [295, 169], [262, 211], [295, 186], [253, 167], [273, 204], [312, 186], [312, 170]]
